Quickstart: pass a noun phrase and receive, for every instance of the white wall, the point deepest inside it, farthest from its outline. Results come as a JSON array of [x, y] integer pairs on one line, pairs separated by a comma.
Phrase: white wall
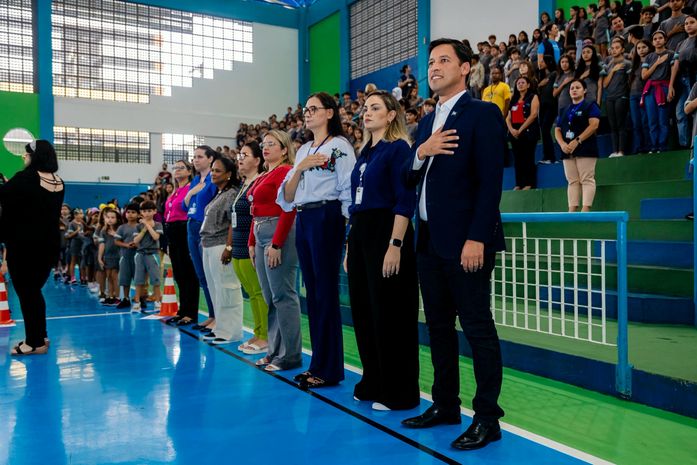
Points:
[[212, 107], [476, 19]]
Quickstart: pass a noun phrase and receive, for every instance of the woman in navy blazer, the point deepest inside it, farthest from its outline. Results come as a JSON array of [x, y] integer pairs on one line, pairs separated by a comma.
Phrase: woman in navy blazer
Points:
[[458, 165]]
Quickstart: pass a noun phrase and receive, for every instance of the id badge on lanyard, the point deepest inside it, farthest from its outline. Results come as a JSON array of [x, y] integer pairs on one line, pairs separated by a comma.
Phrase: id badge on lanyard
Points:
[[359, 189], [233, 219]]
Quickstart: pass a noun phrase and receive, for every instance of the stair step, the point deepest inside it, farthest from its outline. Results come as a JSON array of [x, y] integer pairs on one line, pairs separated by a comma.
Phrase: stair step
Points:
[[615, 197], [653, 253], [637, 230], [666, 209]]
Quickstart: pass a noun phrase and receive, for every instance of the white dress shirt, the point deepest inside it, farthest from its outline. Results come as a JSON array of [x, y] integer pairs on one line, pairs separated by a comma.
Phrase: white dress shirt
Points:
[[443, 110]]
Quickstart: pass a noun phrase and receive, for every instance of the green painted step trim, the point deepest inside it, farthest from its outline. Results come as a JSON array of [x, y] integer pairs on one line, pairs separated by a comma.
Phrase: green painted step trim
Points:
[[614, 197], [642, 168], [606, 427], [648, 230]]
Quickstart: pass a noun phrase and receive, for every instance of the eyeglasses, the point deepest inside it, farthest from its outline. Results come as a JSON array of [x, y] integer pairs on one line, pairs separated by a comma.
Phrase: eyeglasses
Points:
[[242, 156], [267, 144], [312, 110], [178, 167]]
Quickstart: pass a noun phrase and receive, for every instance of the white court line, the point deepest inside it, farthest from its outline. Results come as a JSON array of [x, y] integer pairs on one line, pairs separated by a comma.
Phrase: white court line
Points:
[[68, 317], [536, 438]]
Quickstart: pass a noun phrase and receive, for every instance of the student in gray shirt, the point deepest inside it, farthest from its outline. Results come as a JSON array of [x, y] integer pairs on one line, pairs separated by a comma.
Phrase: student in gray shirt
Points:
[[147, 257], [223, 283], [108, 255], [615, 79], [656, 71], [674, 27], [124, 240], [683, 75]]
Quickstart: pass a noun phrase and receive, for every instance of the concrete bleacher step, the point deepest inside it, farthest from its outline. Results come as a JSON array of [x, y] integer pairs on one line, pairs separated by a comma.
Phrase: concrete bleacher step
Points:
[[611, 197], [629, 169], [672, 254], [665, 209], [637, 230], [641, 308], [666, 281]]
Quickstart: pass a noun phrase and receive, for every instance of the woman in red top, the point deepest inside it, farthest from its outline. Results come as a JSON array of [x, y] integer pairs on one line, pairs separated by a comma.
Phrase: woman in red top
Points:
[[178, 248], [524, 132], [272, 250]]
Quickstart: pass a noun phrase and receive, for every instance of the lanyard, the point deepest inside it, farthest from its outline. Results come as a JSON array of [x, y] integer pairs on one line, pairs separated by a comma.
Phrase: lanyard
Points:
[[572, 112], [320, 145], [241, 193]]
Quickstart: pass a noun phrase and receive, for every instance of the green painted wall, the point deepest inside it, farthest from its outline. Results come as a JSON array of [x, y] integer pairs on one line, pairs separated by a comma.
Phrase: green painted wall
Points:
[[325, 55], [18, 111], [567, 4]]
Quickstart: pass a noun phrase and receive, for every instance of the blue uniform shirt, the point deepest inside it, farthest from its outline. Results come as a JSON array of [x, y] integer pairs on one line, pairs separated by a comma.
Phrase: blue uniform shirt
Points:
[[378, 171], [199, 201]]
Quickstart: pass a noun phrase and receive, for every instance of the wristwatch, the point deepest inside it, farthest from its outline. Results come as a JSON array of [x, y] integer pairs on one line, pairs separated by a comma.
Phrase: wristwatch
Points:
[[228, 248], [396, 242]]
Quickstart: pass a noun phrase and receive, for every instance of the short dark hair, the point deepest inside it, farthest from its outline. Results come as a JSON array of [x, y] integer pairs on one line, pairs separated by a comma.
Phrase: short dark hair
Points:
[[463, 53], [42, 156], [134, 207], [580, 81], [148, 205], [230, 167], [413, 111], [649, 9]]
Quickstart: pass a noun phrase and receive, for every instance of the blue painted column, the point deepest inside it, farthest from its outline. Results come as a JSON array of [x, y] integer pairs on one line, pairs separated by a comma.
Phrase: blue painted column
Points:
[[303, 55], [44, 67], [345, 46], [423, 30], [546, 5]]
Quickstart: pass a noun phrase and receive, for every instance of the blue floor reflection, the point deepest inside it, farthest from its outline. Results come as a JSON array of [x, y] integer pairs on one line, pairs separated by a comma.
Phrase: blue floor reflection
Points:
[[120, 390]]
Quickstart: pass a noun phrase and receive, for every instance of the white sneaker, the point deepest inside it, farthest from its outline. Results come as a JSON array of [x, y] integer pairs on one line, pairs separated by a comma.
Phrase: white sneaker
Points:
[[380, 407], [158, 305], [616, 155], [135, 308]]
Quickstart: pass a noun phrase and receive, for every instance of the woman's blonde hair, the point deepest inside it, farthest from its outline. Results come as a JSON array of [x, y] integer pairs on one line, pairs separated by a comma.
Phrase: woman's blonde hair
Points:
[[284, 139], [370, 88], [397, 128]]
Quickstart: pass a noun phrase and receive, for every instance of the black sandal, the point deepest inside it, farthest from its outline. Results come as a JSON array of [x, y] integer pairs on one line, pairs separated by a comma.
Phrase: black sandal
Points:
[[302, 376], [313, 382]]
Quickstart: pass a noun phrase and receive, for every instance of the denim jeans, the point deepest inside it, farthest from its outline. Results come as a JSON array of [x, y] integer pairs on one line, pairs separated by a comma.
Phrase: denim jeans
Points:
[[640, 125], [682, 90], [658, 120], [196, 252]]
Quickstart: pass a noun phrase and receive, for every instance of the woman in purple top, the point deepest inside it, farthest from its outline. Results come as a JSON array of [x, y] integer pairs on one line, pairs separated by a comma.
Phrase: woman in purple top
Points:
[[175, 228]]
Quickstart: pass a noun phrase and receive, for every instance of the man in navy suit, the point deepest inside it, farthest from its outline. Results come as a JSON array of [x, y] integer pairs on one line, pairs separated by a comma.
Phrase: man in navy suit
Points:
[[458, 165]]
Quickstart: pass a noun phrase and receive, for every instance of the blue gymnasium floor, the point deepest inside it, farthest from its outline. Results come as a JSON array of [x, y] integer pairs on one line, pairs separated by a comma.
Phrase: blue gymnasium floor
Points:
[[117, 389]]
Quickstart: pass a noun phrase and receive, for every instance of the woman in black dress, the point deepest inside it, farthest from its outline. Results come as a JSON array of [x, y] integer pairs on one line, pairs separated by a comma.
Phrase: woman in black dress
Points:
[[29, 226]]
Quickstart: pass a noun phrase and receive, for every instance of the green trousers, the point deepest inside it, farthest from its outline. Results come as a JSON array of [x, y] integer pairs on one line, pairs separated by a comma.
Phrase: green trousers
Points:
[[248, 278]]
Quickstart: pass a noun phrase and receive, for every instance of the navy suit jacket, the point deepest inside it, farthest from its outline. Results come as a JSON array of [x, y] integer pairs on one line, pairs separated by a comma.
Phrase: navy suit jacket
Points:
[[463, 190]]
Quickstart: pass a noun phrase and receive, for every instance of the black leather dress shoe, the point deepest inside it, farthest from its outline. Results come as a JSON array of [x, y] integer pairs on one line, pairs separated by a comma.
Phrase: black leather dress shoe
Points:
[[477, 436], [433, 416]]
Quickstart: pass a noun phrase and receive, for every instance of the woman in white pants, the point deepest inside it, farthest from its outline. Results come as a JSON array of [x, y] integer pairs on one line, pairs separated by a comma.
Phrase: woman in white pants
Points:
[[222, 281]]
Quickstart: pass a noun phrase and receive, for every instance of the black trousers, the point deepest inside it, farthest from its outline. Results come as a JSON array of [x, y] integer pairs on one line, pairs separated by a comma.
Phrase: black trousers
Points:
[[385, 312], [319, 239], [524, 155], [29, 275], [617, 111], [546, 118], [448, 292], [183, 270]]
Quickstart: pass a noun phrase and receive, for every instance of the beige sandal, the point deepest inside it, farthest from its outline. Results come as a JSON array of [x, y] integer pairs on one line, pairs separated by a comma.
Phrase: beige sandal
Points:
[[23, 349]]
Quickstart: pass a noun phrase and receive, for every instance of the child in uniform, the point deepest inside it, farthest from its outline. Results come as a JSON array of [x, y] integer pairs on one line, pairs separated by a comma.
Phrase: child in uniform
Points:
[[124, 240], [147, 256]]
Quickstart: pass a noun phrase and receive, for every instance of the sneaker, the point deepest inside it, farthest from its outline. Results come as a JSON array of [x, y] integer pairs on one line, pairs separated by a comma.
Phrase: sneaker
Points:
[[113, 301], [158, 304], [616, 155], [209, 337], [143, 305], [125, 303], [220, 341], [56, 276], [73, 281], [102, 300], [690, 216], [135, 308], [545, 162]]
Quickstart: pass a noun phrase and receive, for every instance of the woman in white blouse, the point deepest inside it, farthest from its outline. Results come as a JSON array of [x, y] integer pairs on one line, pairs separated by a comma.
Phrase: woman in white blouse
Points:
[[319, 187]]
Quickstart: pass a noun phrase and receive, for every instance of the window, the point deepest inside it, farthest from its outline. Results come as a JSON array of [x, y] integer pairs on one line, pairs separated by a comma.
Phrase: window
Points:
[[16, 46], [180, 146], [101, 145], [383, 33], [126, 52]]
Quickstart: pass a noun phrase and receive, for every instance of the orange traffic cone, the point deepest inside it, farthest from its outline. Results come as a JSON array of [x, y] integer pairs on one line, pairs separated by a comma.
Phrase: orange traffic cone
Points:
[[169, 306], [5, 319]]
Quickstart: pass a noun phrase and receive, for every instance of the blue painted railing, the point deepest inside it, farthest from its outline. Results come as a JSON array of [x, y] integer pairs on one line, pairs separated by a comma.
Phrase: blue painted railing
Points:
[[623, 371]]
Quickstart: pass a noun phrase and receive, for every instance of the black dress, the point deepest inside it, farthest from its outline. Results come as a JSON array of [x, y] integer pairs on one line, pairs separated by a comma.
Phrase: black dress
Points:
[[29, 227]]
